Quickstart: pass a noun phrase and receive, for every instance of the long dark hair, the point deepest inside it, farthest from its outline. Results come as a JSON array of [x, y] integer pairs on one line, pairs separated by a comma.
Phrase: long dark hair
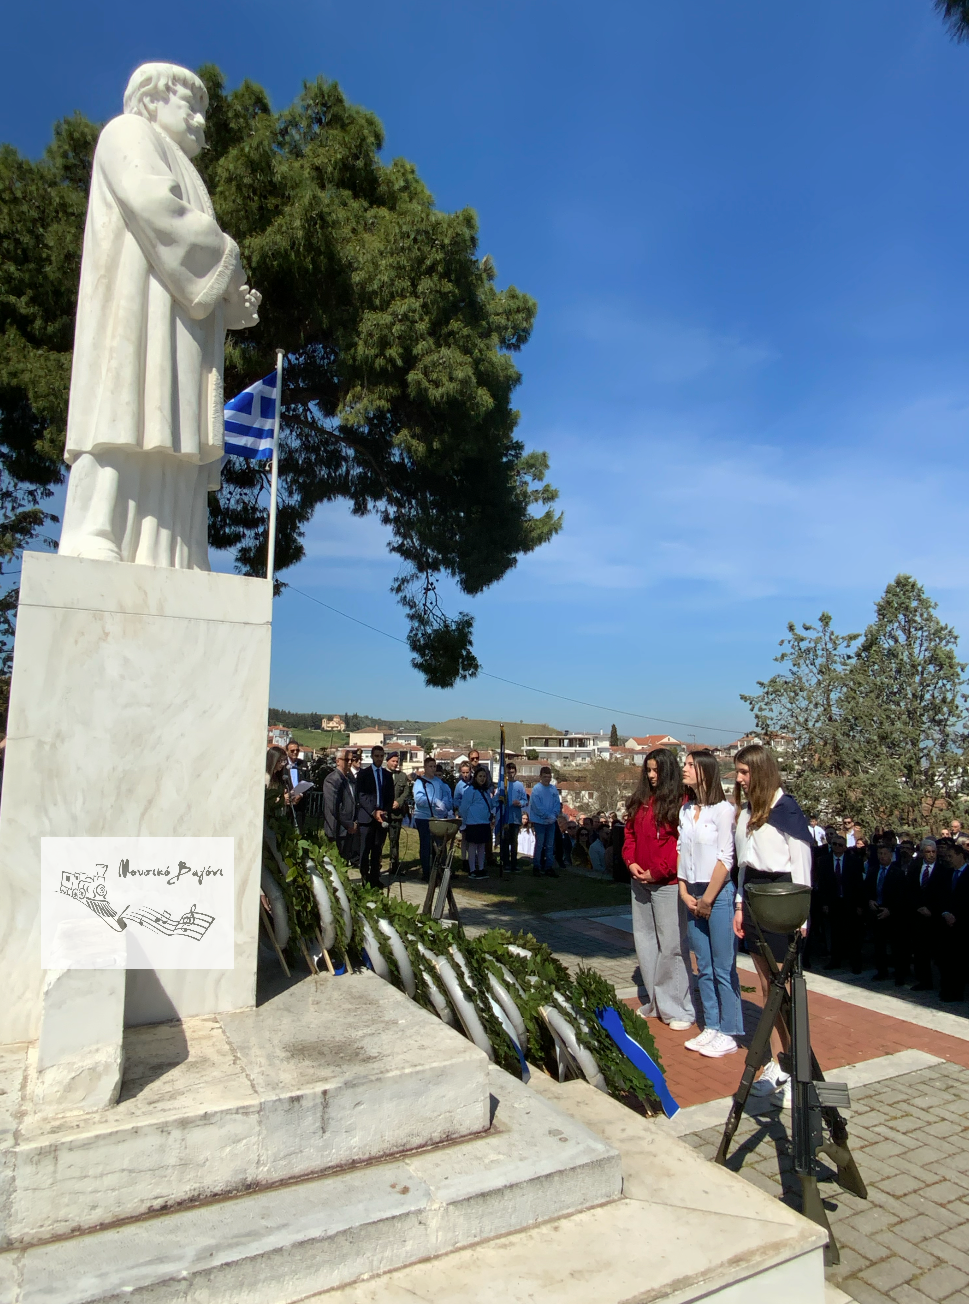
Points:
[[273, 770], [709, 789], [667, 797]]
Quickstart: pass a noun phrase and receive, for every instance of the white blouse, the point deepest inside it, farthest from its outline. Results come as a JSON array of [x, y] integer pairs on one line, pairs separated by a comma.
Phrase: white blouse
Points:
[[770, 850], [704, 840]]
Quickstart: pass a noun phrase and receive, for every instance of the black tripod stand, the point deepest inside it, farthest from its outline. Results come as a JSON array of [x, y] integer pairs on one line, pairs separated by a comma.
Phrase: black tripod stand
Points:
[[815, 1103]]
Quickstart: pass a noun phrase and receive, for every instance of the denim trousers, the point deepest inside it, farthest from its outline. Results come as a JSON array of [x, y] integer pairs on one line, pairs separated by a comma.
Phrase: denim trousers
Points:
[[426, 846], [714, 944], [544, 846]]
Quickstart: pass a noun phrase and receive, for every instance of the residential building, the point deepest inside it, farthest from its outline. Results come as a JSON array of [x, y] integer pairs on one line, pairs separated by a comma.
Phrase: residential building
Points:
[[567, 748], [368, 738], [278, 736]]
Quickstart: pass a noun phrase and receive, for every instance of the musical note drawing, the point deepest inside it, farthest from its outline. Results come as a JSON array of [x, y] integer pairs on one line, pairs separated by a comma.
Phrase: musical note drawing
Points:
[[194, 923]]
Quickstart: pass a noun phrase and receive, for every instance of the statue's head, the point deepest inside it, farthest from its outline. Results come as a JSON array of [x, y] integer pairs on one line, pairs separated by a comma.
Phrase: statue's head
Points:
[[174, 99]]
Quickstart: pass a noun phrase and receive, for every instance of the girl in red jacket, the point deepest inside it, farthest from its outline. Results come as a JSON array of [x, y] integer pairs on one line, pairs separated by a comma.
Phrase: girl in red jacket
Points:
[[659, 917]]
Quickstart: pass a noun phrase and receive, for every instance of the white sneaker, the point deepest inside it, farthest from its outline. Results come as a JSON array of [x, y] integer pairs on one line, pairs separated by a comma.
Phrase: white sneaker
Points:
[[702, 1039], [679, 1025], [771, 1080], [787, 1094], [720, 1044]]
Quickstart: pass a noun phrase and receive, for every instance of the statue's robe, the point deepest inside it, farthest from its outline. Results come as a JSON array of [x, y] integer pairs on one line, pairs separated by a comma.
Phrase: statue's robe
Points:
[[145, 421]]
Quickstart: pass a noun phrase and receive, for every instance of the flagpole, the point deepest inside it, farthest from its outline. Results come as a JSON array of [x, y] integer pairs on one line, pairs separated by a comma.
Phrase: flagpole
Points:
[[271, 551]]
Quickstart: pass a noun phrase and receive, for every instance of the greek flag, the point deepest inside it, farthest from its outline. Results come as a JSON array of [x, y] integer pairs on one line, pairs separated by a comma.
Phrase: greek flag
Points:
[[249, 419]]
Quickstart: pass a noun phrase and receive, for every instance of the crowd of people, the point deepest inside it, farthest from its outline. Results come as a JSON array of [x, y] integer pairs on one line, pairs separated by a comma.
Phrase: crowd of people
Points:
[[904, 902], [688, 854]]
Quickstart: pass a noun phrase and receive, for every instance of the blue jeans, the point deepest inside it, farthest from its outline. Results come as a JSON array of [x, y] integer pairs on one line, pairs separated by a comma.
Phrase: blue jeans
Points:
[[426, 846], [714, 944], [544, 847]]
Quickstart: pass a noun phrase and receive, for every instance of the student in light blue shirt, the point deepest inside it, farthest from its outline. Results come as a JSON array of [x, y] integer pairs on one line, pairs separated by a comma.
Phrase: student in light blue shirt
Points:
[[460, 788], [432, 801], [517, 804], [544, 806], [478, 811]]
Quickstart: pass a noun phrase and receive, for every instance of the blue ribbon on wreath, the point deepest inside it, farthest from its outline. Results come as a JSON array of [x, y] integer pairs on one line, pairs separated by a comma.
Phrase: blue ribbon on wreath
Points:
[[612, 1023]]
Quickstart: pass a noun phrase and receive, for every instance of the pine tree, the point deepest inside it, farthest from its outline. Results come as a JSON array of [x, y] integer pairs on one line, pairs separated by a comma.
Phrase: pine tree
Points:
[[805, 704], [613, 737], [955, 14], [875, 730]]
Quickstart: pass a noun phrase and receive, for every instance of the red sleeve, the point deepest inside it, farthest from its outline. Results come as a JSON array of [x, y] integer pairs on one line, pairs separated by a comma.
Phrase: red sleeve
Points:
[[629, 841]]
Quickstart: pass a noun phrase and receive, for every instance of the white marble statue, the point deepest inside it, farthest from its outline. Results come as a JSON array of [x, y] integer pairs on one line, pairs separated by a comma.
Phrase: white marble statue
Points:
[[160, 284]]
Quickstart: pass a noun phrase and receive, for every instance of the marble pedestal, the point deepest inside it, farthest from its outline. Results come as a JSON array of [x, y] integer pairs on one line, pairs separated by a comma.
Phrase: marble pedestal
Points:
[[258, 1156], [137, 708]]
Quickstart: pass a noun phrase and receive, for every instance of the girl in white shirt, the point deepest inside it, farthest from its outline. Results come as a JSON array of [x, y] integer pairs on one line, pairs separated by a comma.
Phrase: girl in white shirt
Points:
[[773, 845], [705, 856]]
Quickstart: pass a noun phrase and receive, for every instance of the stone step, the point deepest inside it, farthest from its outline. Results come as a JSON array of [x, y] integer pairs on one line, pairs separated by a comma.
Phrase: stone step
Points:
[[684, 1230], [334, 1072], [280, 1245]]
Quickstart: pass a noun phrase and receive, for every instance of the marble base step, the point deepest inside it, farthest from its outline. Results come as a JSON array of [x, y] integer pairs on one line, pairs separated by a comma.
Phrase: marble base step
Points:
[[334, 1072], [684, 1230], [281, 1245]]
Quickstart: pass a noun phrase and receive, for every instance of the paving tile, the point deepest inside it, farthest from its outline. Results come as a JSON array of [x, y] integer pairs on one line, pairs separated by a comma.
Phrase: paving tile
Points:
[[898, 1184], [943, 1193], [958, 1237], [865, 1294], [916, 1255], [941, 1282], [907, 1294], [888, 1274], [871, 1221], [925, 1208], [917, 1229], [868, 1248], [947, 1253]]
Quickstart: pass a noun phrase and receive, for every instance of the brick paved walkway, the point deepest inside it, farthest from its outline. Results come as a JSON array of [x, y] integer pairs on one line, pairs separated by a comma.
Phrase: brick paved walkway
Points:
[[909, 1242], [840, 1034]]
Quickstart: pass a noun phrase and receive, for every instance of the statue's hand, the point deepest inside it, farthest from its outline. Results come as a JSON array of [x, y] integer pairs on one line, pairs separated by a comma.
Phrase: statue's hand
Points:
[[242, 309]]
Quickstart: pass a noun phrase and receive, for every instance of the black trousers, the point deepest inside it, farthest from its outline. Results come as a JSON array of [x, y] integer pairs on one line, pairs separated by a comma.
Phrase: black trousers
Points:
[[952, 961], [923, 947], [509, 846], [371, 849], [881, 933], [846, 932]]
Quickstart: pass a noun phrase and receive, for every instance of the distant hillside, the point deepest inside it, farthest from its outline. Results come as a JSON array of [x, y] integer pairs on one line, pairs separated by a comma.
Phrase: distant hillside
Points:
[[485, 733]]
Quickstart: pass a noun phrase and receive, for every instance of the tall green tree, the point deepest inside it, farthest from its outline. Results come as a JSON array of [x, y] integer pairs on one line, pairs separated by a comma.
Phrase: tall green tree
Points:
[[399, 347], [876, 730], [955, 14], [613, 737], [804, 703], [905, 701]]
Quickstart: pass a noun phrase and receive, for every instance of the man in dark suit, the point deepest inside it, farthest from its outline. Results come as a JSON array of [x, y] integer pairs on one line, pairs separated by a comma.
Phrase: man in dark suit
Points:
[[953, 927], [338, 806], [883, 894], [929, 877], [375, 802], [296, 771], [840, 879]]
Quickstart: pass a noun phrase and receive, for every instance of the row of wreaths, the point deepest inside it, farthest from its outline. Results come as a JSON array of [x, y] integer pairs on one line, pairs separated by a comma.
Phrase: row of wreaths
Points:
[[508, 994]]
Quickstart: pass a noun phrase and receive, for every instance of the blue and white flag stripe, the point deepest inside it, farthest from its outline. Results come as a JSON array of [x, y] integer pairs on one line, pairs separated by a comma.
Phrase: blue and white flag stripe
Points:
[[249, 419]]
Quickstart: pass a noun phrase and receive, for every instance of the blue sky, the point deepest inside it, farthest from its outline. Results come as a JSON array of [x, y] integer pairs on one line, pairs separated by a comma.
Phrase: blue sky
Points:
[[744, 225]]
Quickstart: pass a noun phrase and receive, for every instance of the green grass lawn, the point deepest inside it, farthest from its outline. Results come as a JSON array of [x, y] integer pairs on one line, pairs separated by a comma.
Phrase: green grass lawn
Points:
[[318, 738], [525, 892]]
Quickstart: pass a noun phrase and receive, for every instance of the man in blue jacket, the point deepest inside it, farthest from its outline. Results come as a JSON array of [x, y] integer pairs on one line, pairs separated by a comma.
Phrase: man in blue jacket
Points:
[[517, 802], [544, 806]]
